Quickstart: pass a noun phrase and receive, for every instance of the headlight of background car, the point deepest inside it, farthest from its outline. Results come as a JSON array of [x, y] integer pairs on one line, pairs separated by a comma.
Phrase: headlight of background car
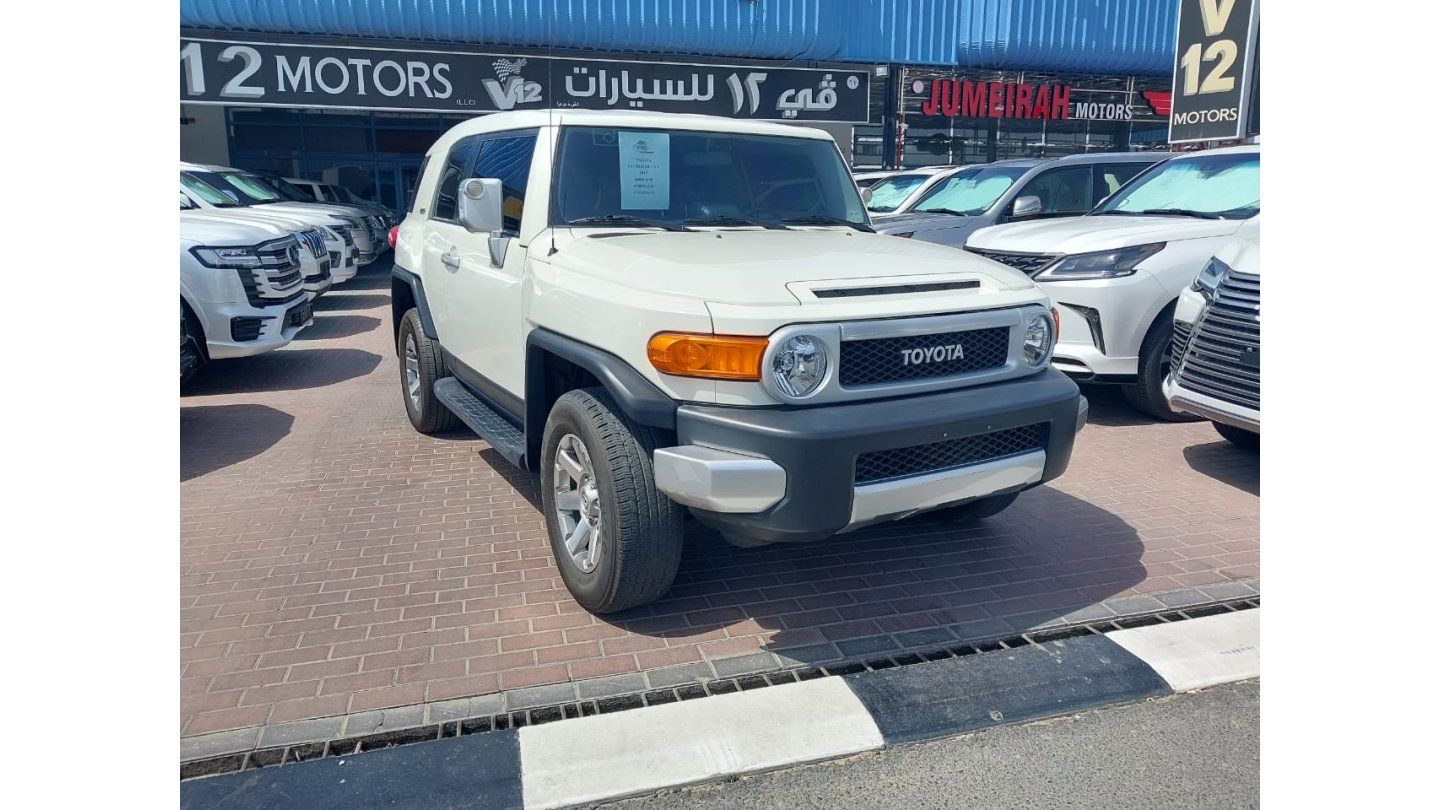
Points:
[[1209, 278], [1101, 264], [1039, 337], [241, 258], [798, 366]]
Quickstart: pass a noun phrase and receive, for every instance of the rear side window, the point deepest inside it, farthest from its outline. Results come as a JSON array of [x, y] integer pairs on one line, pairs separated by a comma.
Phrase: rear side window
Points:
[[507, 158], [1061, 191], [462, 154], [414, 190], [1111, 176]]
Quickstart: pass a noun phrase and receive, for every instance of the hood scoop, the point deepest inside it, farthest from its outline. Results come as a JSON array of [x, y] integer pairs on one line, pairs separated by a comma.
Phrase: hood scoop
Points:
[[895, 289]]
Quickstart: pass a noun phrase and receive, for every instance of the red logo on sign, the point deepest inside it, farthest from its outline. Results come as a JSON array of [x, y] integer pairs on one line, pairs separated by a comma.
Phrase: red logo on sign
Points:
[[1159, 101]]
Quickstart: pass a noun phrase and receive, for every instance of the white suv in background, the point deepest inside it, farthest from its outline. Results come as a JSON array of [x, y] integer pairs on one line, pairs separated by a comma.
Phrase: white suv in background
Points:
[[1215, 362], [241, 290], [1115, 274], [335, 241]]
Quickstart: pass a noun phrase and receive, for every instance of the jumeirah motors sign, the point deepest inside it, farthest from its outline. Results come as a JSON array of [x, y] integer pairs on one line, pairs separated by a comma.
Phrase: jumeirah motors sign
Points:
[[1216, 50], [293, 74]]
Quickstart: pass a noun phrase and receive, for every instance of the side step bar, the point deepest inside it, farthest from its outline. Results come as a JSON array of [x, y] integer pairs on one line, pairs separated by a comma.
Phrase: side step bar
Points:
[[507, 439]]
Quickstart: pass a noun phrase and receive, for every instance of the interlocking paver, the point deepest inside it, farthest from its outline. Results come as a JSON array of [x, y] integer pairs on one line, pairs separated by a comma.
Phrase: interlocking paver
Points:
[[334, 561]]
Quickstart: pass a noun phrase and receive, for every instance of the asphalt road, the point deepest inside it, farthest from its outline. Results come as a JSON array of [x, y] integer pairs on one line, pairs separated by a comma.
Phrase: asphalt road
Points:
[[1196, 750]]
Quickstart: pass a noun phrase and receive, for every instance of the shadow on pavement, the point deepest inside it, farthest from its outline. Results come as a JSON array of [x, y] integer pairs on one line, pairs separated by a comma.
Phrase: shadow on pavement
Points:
[[332, 303], [374, 277], [1226, 463], [1109, 407], [213, 437], [923, 581], [284, 370], [327, 327]]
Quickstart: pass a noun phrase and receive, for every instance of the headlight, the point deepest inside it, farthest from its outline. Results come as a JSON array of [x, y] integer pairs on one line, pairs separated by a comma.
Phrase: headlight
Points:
[[1209, 277], [1101, 264], [242, 258], [798, 366], [1039, 337]]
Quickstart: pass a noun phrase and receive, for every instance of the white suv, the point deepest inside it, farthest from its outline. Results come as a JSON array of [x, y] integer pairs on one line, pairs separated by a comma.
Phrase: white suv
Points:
[[1116, 273], [241, 291], [1215, 366], [667, 312]]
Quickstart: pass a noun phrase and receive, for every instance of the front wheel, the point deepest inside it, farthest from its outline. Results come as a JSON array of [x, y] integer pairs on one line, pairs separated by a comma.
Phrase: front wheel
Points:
[[1238, 436], [616, 538], [420, 366], [1147, 393]]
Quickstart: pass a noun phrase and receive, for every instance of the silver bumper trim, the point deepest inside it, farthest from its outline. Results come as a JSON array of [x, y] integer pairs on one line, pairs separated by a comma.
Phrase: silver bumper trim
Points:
[[893, 500], [717, 480]]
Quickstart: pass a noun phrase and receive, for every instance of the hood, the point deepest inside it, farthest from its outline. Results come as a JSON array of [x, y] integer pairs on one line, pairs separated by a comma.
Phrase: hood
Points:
[[752, 267], [315, 208], [204, 229], [915, 223], [276, 222], [1091, 233]]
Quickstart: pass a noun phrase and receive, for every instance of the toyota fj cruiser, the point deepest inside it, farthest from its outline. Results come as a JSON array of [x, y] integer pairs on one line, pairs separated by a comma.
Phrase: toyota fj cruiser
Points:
[[661, 312]]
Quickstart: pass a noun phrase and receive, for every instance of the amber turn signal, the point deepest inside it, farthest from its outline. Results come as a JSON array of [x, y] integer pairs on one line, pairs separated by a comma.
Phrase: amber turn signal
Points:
[[719, 357]]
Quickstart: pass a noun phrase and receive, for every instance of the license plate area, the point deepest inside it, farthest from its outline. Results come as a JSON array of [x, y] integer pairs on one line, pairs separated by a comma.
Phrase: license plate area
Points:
[[298, 315]]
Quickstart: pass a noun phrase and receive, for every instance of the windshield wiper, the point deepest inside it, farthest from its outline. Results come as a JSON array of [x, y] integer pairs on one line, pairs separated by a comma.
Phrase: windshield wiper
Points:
[[950, 211], [622, 220], [1180, 212], [729, 220], [820, 219]]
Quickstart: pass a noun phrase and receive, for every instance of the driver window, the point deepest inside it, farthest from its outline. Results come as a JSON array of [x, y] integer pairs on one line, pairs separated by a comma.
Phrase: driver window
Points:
[[1061, 191]]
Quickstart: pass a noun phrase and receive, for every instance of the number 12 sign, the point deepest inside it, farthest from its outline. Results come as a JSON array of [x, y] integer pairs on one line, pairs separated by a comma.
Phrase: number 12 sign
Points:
[[1215, 52]]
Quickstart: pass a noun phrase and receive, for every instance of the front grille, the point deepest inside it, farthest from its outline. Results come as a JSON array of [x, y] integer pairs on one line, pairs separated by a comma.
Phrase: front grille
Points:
[[900, 359], [1027, 263], [314, 242], [1222, 357], [277, 280], [884, 465]]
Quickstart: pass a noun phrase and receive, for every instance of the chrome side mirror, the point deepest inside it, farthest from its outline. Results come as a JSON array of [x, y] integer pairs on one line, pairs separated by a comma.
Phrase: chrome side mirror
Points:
[[1026, 206], [480, 205]]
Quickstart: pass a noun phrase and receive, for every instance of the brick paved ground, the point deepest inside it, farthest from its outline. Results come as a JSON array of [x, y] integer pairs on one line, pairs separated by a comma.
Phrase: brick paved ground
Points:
[[335, 561]]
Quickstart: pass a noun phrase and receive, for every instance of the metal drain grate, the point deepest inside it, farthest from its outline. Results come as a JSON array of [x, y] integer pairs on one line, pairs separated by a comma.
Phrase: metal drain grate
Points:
[[520, 718]]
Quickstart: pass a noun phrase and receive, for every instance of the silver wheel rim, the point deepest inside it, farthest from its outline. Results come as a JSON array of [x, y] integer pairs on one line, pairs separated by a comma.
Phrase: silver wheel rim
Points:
[[577, 503], [412, 372]]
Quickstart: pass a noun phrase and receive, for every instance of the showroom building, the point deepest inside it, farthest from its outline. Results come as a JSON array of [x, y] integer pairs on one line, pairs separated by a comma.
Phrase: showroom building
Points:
[[354, 91]]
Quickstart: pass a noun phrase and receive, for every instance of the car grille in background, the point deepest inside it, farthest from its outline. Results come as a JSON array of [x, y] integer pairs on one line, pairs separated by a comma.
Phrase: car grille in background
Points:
[[314, 242], [277, 280], [1027, 263], [882, 360], [1178, 342], [884, 465], [1222, 358]]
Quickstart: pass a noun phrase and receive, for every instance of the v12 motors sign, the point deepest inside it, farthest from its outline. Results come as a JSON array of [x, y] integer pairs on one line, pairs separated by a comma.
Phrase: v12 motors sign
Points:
[[1215, 51], [285, 74]]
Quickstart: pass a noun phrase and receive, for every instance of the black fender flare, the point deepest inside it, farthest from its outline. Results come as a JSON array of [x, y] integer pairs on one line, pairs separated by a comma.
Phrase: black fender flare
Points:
[[400, 275], [639, 398]]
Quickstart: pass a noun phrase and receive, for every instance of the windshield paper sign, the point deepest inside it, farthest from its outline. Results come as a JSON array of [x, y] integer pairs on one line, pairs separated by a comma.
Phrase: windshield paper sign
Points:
[[283, 74], [644, 170]]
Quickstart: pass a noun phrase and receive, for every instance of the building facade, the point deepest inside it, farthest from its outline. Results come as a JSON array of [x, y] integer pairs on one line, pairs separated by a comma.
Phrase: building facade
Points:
[[354, 91]]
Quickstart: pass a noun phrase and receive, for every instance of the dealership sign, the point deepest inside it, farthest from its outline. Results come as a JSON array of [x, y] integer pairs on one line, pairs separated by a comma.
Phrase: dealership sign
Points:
[[962, 98], [288, 74], [1215, 53]]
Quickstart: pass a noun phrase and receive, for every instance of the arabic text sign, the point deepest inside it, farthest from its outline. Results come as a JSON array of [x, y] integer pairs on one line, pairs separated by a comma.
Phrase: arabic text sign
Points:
[[286, 74], [1214, 57]]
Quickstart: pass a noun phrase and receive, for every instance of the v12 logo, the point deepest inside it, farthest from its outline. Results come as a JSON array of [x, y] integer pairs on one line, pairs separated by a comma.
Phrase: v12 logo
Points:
[[516, 88]]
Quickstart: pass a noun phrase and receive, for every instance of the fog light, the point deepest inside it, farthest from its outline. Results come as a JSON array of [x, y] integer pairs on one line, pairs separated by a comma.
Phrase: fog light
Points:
[[798, 366], [1039, 335]]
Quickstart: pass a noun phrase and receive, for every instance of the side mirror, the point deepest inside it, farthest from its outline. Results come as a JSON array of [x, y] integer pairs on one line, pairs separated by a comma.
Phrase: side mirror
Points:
[[865, 195], [1026, 206], [480, 201]]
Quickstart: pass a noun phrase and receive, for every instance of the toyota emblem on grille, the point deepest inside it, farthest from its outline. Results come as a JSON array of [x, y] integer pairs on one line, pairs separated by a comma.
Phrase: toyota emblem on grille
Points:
[[294, 253], [932, 354]]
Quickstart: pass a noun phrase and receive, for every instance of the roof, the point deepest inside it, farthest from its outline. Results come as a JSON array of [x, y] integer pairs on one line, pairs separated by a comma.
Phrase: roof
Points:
[[1082, 36]]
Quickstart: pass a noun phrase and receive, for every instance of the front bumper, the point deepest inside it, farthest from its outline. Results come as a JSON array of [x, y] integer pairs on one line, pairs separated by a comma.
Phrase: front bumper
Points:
[[275, 332], [1216, 410], [788, 474]]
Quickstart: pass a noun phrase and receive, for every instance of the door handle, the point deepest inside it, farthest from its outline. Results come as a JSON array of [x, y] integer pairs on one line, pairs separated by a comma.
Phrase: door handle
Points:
[[450, 260]]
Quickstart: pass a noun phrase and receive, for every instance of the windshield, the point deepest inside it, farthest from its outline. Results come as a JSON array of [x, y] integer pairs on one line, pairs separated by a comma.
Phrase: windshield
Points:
[[285, 188], [1225, 186], [970, 192], [670, 178], [251, 191], [888, 194], [206, 193]]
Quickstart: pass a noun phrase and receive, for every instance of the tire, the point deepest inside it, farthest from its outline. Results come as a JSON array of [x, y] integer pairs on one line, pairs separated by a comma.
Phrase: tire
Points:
[[426, 412], [1238, 436], [641, 530], [192, 342], [1146, 394], [981, 509]]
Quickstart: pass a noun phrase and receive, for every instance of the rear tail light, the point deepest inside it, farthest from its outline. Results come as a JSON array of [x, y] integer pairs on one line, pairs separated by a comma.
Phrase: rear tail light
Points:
[[393, 235]]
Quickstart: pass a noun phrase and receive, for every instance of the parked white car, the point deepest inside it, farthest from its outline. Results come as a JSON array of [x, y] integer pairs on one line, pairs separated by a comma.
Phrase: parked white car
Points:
[[868, 179], [896, 193], [1215, 365], [668, 312], [241, 289], [1115, 274], [314, 261], [252, 192], [336, 242]]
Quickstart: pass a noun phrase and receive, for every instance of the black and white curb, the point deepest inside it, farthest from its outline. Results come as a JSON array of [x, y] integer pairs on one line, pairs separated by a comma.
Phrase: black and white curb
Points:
[[607, 756]]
